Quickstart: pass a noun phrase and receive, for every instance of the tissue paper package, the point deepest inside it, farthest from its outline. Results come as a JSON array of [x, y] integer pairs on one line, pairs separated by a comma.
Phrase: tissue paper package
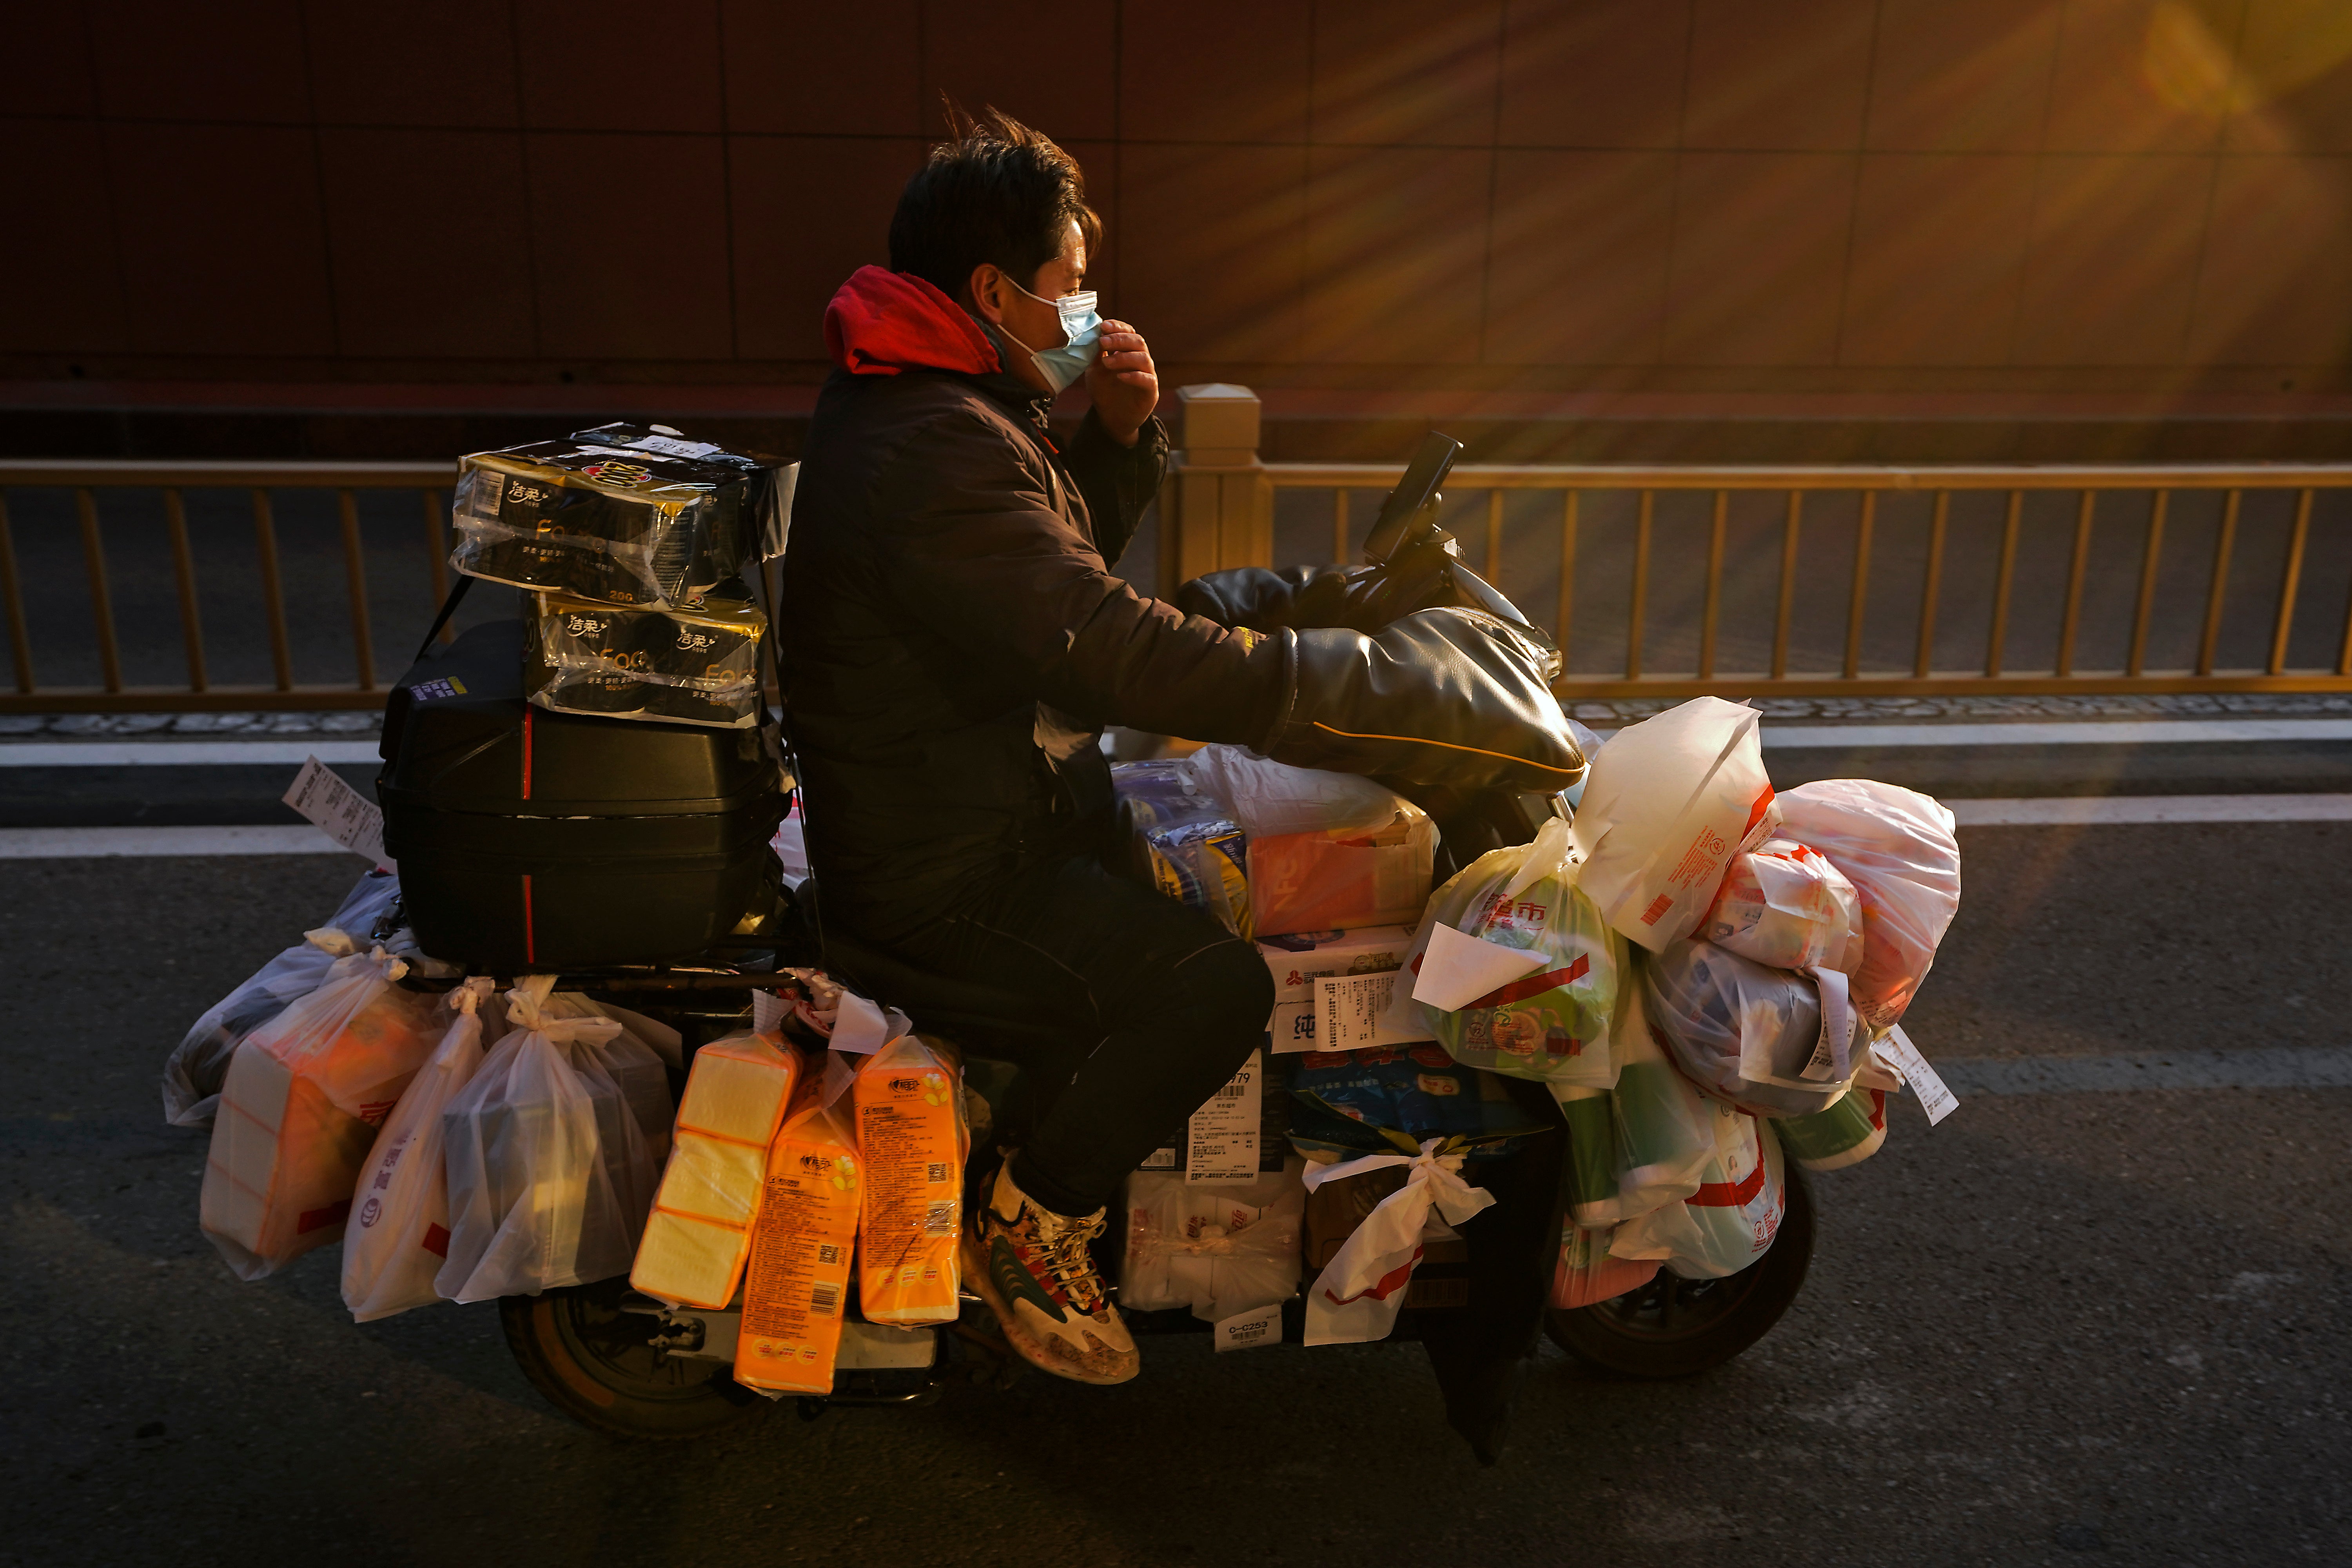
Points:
[[687, 667], [911, 1145], [621, 514], [696, 1238], [801, 1247]]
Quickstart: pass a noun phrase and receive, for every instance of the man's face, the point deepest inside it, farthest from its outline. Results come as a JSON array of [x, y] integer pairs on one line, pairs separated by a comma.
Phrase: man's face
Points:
[[1029, 317]]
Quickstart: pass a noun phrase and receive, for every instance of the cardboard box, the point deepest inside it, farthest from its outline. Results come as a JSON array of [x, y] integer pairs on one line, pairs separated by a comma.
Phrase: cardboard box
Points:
[[1299, 961]]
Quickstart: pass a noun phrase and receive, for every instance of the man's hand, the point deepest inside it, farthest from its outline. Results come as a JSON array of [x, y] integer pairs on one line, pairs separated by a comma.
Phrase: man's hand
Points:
[[1123, 381]]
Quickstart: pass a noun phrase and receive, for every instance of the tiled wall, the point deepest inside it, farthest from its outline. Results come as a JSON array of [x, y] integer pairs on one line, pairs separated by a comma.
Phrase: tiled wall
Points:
[[1700, 193]]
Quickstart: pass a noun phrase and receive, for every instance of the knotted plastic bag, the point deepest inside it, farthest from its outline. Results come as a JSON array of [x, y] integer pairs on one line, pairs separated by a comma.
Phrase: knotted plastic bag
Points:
[[299, 1107], [1898, 847], [1220, 1248], [1360, 1292], [1773, 1042], [1550, 1020], [399, 1232], [550, 1172], [198, 1065], [1785, 905]]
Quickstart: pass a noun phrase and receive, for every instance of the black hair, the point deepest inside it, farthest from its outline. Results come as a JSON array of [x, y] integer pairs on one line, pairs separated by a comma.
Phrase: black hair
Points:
[[994, 192]]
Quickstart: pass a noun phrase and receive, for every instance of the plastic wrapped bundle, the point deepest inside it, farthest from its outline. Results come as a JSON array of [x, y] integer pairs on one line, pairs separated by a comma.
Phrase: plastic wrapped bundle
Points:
[[621, 514], [796, 1284], [1898, 847], [1182, 843], [1221, 1248], [1326, 851], [685, 666], [912, 1145], [1785, 904], [699, 1231], [1752, 1034], [550, 1166], [298, 1111]]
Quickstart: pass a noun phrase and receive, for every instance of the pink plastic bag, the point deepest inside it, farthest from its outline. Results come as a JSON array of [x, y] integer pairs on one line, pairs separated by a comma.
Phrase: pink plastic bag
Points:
[[1898, 847], [1784, 904]]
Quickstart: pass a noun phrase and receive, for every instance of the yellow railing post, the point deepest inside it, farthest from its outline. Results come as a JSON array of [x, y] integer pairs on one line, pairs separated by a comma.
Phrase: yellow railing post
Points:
[[1217, 507]]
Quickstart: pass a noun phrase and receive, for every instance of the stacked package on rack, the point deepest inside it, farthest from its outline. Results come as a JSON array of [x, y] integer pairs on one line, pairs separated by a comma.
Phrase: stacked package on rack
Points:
[[632, 542]]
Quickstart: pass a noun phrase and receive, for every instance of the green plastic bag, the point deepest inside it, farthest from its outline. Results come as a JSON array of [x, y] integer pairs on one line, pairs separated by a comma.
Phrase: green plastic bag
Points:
[[1552, 1023]]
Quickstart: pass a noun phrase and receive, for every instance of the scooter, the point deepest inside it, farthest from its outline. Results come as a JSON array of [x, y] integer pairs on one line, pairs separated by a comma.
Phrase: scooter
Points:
[[625, 1364]]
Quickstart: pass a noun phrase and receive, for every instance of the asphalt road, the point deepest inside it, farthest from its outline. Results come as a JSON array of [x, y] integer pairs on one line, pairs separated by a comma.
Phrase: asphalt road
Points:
[[2057, 1328]]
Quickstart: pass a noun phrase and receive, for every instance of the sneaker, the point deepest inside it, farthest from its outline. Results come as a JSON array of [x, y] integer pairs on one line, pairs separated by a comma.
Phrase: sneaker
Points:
[[1032, 1266]]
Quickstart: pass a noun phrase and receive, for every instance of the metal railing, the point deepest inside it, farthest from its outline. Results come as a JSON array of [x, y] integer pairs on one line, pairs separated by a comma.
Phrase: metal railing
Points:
[[1223, 512], [1227, 512], [117, 483]]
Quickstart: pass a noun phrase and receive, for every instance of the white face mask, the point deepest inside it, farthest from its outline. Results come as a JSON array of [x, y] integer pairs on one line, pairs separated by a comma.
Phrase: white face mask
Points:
[[1081, 329]]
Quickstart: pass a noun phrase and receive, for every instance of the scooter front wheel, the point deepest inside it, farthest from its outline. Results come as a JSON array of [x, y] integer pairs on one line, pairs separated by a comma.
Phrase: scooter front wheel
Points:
[[1674, 1327], [598, 1366]]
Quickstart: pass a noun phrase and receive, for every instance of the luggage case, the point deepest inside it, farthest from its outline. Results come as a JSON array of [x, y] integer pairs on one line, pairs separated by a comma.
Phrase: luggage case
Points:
[[532, 841]]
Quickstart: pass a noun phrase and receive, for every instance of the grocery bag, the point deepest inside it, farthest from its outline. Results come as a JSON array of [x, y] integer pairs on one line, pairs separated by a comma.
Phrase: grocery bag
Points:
[[802, 1242], [299, 1107], [1587, 1273], [700, 1229], [1774, 1042], [1525, 913], [1358, 1293], [1220, 1248], [1898, 847], [198, 1065], [1325, 851], [399, 1233], [1731, 1220], [1786, 906], [911, 1146], [550, 1171], [1666, 805]]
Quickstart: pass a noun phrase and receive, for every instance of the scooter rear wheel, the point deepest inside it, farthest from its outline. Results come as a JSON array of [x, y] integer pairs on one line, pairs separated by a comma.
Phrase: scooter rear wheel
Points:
[[1674, 1327], [598, 1364]]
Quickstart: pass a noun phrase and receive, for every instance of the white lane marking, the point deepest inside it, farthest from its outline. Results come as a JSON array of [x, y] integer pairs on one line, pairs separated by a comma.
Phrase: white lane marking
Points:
[[2118, 732], [80, 843], [2105, 810], [2263, 1067], [162, 754]]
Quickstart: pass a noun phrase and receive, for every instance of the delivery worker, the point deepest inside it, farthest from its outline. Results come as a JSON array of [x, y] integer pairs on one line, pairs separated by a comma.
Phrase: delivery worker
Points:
[[954, 641]]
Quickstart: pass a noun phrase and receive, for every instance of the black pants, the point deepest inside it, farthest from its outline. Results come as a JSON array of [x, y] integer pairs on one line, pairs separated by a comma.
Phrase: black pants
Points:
[[1137, 1010]]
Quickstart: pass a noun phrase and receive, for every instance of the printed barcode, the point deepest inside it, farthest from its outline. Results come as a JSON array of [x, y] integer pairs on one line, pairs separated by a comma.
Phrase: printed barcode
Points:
[[485, 489], [938, 1219], [1233, 1091], [825, 1300], [828, 1253], [937, 1171]]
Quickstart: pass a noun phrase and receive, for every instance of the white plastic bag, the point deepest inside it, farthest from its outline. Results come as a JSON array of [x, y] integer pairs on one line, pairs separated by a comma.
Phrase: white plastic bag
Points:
[[1360, 1292], [299, 1110], [1268, 798], [550, 1172], [1549, 1019], [399, 1231], [194, 1072], [1785, 905], [1667, 804], [1221, 1248], [1898, 847], [1771, 1041], [1731, 1220]]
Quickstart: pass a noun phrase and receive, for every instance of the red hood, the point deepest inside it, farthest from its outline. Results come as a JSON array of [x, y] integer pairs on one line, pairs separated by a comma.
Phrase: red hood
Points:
[[882, 323]]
